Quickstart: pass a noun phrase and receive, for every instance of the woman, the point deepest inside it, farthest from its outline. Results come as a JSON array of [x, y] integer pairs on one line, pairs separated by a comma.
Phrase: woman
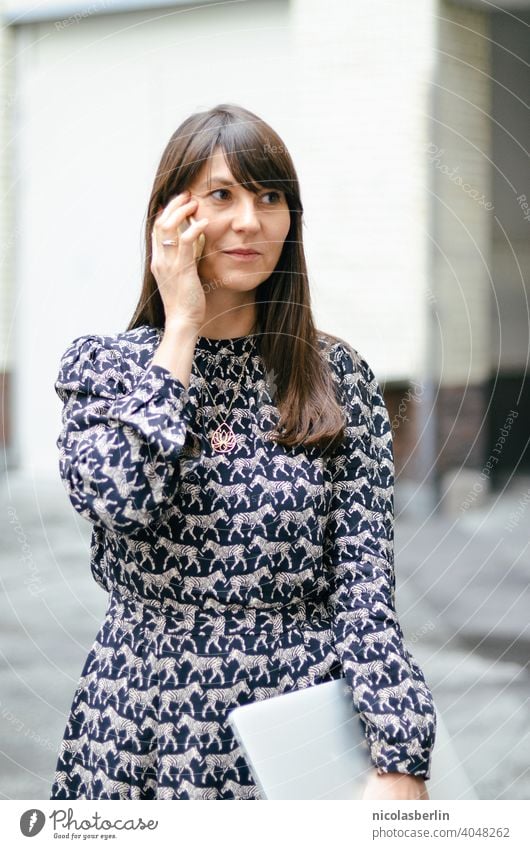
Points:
[[237, 467]]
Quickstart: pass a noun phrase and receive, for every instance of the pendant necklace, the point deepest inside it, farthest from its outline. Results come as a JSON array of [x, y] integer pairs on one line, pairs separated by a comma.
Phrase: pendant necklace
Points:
[[223, 440]]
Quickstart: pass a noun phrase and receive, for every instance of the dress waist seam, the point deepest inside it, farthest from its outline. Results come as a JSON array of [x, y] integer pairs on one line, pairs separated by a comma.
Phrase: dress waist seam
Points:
[[309, 612]]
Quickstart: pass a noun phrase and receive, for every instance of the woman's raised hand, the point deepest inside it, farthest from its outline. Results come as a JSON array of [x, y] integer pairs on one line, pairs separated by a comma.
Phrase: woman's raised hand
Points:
[[174, 267]]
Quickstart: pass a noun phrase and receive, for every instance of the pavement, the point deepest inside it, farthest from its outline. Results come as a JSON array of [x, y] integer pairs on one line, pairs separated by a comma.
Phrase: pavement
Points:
[[462, 599]]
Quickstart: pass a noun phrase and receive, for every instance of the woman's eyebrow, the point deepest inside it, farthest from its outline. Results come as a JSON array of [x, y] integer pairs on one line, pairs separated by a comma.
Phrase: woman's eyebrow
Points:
[[220, 181], [224, 181]]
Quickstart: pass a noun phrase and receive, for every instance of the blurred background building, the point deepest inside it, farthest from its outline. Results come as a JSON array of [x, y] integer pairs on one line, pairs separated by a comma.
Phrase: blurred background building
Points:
[[407, 121]]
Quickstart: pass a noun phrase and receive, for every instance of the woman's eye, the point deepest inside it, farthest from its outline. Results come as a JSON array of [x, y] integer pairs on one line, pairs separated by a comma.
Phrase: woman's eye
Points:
[[265, 194], [219, 190], [277, 194]]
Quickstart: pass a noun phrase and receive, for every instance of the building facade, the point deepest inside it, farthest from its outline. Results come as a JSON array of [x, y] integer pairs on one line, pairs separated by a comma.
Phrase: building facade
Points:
[[406, 122]]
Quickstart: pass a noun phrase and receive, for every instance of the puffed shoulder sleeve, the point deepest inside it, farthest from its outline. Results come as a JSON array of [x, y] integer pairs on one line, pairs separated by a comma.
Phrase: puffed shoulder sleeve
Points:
[[119, 445], [388, 687]]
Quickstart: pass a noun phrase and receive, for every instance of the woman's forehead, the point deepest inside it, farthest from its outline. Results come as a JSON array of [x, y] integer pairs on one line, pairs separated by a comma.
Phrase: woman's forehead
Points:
[[216, 170], [215, 166]]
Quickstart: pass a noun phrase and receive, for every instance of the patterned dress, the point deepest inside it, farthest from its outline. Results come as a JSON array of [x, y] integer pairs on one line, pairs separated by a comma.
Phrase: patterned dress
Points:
[[230, 577]]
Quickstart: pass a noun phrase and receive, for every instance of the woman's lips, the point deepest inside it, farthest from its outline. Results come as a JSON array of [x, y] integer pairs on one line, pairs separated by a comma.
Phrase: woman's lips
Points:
[[244, 255]]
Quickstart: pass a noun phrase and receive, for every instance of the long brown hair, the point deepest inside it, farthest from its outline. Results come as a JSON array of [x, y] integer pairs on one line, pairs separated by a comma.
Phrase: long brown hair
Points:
[[257, 157]]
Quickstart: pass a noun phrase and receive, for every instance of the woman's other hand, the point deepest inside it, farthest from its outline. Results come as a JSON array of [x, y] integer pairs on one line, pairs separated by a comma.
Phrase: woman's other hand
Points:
[[394, 785]]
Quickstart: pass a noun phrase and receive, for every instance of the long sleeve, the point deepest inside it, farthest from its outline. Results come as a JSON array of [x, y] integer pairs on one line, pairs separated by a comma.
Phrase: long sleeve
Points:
[[118, 450], [389, 689]]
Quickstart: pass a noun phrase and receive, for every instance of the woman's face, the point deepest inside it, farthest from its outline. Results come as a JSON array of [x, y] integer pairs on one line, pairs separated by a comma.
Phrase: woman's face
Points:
[[237, 218]]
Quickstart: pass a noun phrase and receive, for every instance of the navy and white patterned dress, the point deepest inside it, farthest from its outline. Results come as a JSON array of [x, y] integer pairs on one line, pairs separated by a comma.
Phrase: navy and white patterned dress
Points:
[[231, 577]]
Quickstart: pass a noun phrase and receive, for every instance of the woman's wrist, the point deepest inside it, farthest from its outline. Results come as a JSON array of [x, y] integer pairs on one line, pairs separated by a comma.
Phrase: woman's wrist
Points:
[[401, 775], [395, 785]]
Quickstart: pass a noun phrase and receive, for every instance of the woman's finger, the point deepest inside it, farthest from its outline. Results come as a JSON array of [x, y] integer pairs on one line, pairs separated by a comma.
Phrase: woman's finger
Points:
[[193, 239], [192, 232], [171, 204], [171, 217]]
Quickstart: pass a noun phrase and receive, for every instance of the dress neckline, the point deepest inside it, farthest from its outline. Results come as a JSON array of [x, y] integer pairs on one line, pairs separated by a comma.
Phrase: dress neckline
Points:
[[231, 345], [236, 345]]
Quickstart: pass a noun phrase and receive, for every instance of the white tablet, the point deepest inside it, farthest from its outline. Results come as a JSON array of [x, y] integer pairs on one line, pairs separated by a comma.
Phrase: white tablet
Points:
[[310, 744]]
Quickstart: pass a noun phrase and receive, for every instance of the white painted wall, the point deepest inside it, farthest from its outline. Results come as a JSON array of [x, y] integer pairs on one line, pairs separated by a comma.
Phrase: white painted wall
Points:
[[98, 103], [362, 107], [462, 135], [345, 86]]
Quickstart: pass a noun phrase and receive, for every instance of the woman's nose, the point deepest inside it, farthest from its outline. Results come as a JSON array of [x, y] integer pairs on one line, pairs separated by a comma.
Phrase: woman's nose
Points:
[[245, 216]]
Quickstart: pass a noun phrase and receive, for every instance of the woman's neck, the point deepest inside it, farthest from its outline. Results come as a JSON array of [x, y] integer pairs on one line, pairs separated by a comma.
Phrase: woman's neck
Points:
[[231, 323]]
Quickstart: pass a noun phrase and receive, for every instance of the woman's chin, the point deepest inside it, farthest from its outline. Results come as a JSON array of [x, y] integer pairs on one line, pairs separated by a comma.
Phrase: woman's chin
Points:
[[236, 281]]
